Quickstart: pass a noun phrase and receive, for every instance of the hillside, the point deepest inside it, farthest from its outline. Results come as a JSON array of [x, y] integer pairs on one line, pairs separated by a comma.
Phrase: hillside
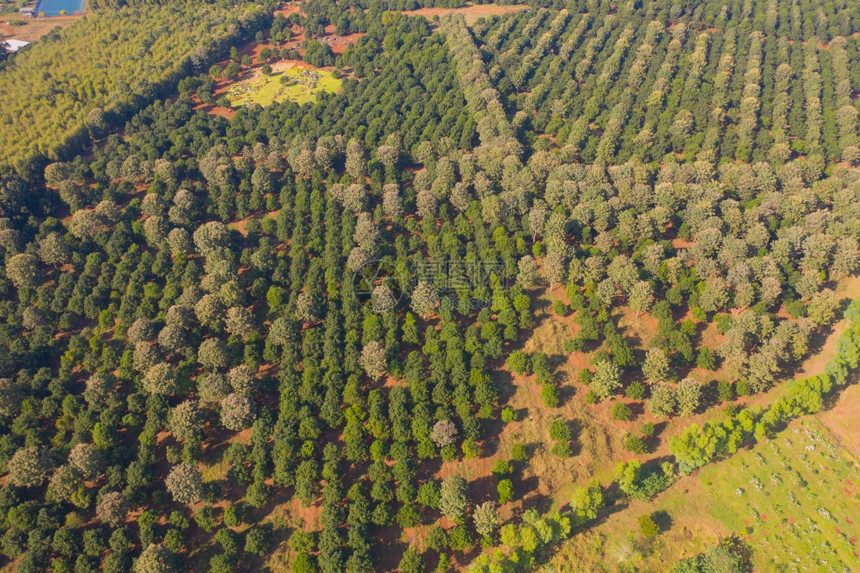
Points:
[[416, 287]]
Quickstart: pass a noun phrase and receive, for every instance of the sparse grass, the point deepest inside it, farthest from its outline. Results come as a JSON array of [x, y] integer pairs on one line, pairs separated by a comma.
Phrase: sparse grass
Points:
[[292, 83], [216, 471], [793, 499], [598, 439]]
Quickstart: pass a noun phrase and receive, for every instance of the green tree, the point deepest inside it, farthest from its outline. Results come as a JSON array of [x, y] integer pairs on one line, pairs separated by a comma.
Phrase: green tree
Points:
[[411, 562], [606, 379], [486, 518], [28, 467], [648, 527], [185, 483], [453, 499], [622, 412], [587, 501], [662, 401]]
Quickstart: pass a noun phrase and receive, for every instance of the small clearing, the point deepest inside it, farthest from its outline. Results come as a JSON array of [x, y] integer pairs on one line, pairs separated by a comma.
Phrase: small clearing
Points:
[[471, 13], [32, 29], [289, 80]]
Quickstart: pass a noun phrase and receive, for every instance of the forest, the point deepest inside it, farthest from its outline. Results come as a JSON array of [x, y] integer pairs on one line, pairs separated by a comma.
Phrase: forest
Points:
[[288, 339]]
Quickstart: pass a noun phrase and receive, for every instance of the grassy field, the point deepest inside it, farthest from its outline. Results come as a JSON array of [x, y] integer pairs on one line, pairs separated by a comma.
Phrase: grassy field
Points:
[[794, 500], [291, 82]]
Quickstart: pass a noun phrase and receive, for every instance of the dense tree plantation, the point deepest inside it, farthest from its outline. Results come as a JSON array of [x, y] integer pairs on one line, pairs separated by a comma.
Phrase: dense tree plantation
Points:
[[276, 340]]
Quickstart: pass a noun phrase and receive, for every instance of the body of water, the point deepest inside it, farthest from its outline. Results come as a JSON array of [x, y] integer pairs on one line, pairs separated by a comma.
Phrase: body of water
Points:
[[56, 7]]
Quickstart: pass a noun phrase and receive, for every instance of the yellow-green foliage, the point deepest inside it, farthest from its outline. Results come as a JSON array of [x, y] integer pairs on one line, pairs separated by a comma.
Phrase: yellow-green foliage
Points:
[[116, 60], [298, 87]]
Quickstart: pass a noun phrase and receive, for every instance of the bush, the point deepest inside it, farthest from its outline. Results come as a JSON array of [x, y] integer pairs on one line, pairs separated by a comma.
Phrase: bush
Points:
[[648, 430], [541, 368], [635, 391], [509, 415], [505, 490], [437, 538], [502, 468], [559, 430], [549, 395], [706, 359], [561, 450], [585, 376], [206, 518], [795, 309], [518, 362], [460, 538], [257, 541], [648, 527], [519, 453], [560, 309], [725, 391], [572, 345], [635, 444], [699, 314], [723, 322], [732, 556], [622, 412]]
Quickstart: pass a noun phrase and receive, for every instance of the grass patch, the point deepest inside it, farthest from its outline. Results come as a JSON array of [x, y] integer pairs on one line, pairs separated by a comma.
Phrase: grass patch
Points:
[[216, 471], [792, 498], [291, 83]]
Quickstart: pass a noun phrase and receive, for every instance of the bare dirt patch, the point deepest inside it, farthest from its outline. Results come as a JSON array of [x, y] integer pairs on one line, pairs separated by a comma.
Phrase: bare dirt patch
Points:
[[471, 13], [290, 9], [842, 418], [34, 28], [225, 112], [338, 44]]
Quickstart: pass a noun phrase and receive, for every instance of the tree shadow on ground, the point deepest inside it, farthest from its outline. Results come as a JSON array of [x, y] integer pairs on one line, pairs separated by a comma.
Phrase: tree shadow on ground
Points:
[[662, 519]]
